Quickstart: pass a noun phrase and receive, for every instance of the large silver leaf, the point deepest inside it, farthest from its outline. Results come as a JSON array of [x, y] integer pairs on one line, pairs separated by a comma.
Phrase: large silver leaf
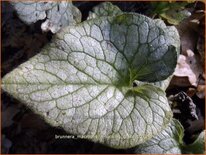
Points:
[[83, 80]]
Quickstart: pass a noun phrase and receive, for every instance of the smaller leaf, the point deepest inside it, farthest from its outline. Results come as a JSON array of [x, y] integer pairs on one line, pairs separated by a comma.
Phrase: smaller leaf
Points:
[[167, 142], [57, 14], [170, 141], [173, 12], [104, 9], [175, 16]]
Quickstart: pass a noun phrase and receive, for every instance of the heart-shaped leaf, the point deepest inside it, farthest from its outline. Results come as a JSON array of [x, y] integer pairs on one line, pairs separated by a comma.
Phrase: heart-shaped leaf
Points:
[[83, 80]]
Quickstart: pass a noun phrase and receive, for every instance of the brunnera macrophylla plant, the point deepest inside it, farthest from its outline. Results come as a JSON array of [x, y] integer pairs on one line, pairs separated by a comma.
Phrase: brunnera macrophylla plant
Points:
[[83, 81]]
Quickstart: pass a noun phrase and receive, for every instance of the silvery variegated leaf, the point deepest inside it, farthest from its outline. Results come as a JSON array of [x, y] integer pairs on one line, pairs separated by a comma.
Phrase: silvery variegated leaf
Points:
[[169, 141], [104, 9], [83, 80], [56, 14]]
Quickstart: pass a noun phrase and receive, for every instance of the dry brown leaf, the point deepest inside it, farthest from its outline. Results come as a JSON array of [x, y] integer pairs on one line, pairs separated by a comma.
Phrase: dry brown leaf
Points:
[[180, 81], [188, 35], [190, 67], [191, 92], [201, 91]]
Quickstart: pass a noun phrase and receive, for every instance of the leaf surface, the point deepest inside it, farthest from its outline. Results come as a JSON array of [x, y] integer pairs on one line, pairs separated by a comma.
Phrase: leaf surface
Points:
[[83, 80], [108, 9]]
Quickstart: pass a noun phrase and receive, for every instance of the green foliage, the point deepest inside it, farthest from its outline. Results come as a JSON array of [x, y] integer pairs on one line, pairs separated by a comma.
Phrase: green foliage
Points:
[[172, 12], [197, 147]]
